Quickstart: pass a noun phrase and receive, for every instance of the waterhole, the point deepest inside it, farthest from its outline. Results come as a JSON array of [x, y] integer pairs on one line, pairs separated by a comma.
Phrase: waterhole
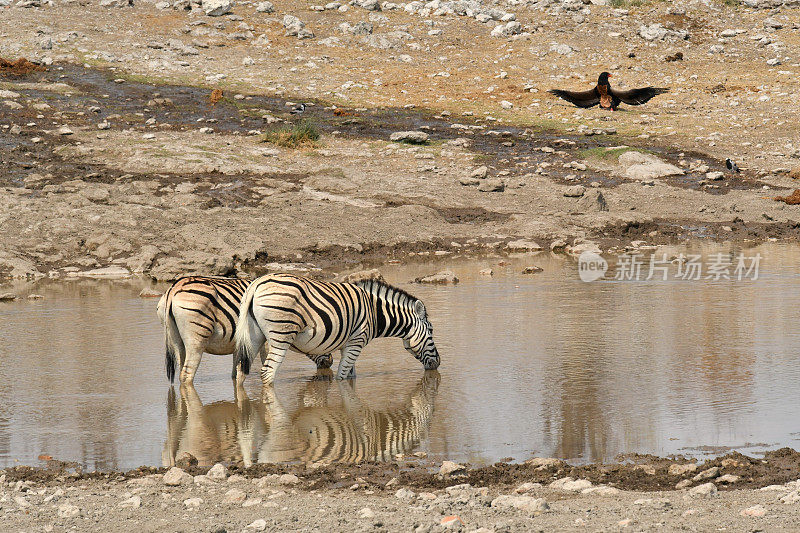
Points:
[[539, 364]]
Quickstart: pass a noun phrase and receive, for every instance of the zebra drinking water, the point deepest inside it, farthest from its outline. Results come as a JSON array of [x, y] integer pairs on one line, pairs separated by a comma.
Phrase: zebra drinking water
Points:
[[199, 315], [316, 317]]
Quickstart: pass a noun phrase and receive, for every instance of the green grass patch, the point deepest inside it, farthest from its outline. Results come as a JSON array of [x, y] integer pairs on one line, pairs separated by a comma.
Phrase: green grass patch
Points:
[[300, 135], [601, 152]]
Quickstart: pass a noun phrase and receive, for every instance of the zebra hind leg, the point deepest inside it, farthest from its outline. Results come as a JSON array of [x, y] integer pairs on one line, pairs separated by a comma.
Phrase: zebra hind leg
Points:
[[279, 344], [322, 361], [189, 368]]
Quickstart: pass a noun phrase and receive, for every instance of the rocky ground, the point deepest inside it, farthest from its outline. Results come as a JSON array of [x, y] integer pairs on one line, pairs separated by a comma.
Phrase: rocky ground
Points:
[[536, 496], [116, 161]]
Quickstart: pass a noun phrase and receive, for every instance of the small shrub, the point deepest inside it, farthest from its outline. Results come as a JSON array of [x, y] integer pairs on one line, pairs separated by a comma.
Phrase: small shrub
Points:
[[302, 134]]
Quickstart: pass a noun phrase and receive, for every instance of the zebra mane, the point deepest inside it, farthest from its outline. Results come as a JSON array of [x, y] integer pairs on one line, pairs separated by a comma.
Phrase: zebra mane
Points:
[[374, 286]]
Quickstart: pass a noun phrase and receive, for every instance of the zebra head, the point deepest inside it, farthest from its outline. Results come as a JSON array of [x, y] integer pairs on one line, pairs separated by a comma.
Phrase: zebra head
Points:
[[419, 340]]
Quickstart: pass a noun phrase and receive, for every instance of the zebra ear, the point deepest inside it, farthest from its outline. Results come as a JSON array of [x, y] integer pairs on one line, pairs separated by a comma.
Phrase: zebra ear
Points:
[[419, 308]]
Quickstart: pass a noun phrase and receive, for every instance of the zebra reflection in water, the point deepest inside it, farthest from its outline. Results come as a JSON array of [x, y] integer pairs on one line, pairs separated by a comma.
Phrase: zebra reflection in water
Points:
[[321, 428]]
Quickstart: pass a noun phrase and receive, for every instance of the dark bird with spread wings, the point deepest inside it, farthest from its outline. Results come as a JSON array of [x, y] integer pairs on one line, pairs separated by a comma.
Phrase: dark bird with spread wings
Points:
[[607, 97]]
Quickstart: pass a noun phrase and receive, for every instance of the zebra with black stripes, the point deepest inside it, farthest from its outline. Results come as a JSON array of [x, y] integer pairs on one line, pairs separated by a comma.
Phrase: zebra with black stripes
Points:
[[199, 315], [317, 317]]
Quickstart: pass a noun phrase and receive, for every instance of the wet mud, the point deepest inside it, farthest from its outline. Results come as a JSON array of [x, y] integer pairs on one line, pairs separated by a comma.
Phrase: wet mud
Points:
[[637, 472]]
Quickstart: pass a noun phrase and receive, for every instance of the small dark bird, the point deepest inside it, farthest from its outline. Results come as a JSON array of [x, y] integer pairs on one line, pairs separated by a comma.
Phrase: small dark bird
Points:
[[607, 97], [730, 165], [298, 109]]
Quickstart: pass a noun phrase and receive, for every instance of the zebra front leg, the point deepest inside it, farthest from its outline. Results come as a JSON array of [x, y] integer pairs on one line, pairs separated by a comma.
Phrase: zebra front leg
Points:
[[346, 364]]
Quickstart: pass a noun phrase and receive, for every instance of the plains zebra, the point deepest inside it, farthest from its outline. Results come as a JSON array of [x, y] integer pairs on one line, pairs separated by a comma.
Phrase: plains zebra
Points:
[[317, 317], [199, 315]]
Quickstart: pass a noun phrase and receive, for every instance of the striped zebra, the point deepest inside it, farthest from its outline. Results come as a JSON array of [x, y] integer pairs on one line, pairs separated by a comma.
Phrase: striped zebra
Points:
[[317, 317], [199, 315]]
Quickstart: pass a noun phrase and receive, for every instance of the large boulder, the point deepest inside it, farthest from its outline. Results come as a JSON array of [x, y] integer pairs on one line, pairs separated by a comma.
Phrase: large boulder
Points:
[[411, 137], [641, 166]]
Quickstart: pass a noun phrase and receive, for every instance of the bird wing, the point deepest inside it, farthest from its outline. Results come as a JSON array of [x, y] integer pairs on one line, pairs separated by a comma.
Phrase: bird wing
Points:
[[638, 96], [588, 98]]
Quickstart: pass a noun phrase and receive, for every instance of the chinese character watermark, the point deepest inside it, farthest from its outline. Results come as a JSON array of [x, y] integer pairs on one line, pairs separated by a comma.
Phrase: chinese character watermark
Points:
[[719, 266]]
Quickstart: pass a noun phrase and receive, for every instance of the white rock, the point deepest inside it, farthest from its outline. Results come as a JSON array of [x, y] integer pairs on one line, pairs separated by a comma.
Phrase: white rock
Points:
[[288, 479], [257, 525], [575, 191], [192, 503], [525, 503], [412, 137], [444, 277], [568, 484], [792, 497], [265, 7], [216, 8], [235, 496], [523, 245], [710, 473], [561, 49], [706, 490], [117, 272], [218, 472], [505, 104], [527, 487], [640, 166], [366, 512], [64, 130], [405, 494], [67, 510], [450, 468], [679, 470], [133, 502], [754, 511], [601, 490], [175, 476], [543, 463]]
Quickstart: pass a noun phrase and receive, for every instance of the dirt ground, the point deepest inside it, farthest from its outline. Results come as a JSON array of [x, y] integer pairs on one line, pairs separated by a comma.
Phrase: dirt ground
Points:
[[116, 156], [542, 495]]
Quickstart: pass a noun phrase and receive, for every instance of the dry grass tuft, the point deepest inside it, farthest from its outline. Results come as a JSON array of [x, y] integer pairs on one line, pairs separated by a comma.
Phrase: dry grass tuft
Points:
[[301, 135]]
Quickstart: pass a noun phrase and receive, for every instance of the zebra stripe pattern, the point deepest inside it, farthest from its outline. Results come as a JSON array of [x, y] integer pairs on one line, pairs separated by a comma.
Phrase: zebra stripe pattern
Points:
[[331, 423], [317, 317], [199, 315], [350, 432]]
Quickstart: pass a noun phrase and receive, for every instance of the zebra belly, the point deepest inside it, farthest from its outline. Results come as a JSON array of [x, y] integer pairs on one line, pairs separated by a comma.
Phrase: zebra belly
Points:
[[311, 341]]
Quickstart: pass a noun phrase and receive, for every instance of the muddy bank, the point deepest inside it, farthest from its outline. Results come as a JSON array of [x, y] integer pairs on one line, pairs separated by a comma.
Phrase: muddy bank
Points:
[[638, 472], [106, 170]]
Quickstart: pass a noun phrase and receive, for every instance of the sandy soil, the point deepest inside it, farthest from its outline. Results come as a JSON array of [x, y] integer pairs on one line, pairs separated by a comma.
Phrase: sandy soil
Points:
[[410, 496]]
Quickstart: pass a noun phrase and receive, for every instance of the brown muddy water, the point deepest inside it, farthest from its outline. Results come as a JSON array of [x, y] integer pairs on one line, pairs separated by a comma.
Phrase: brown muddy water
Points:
[[532, 365]]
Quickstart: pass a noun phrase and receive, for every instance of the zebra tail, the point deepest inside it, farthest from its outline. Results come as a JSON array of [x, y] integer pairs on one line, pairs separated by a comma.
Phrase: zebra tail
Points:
[[172, 336], [249, 337]]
